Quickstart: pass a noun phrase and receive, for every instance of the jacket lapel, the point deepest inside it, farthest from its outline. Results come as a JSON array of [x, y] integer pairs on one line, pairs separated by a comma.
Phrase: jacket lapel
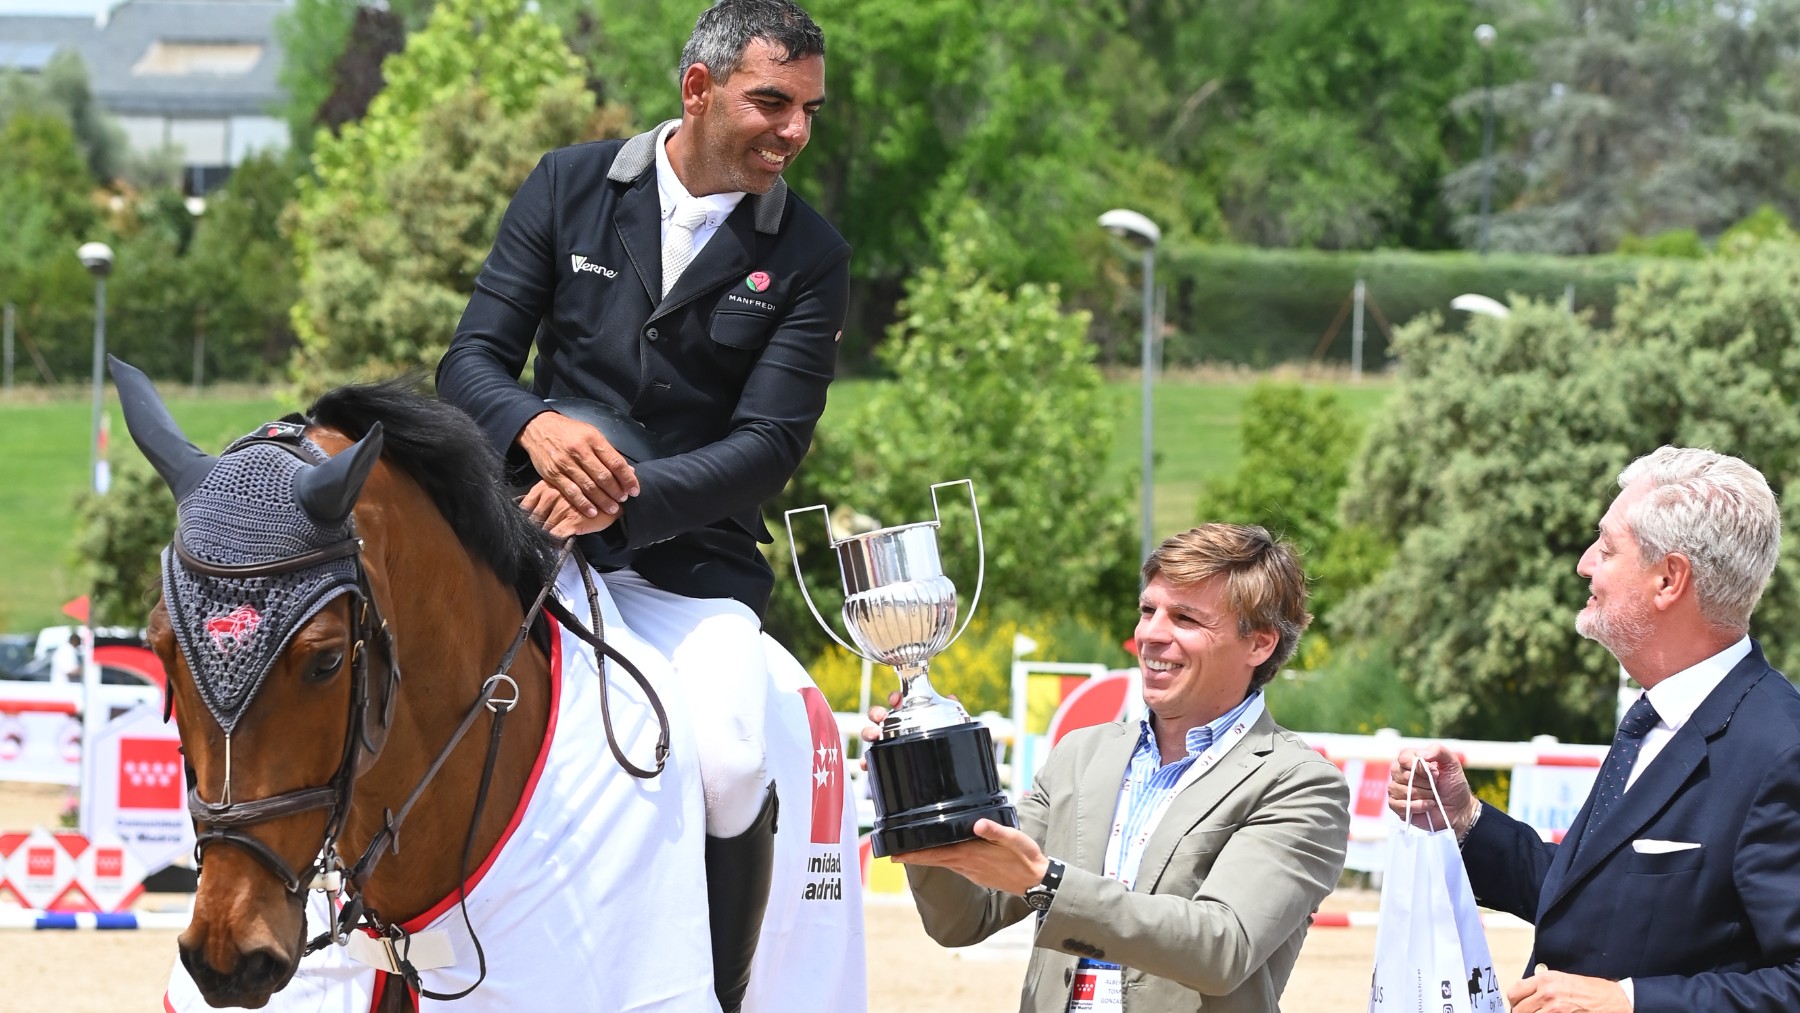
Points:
[[1201, 797], [638, 219], [1654, 789], [1098, 796], [725, 257]]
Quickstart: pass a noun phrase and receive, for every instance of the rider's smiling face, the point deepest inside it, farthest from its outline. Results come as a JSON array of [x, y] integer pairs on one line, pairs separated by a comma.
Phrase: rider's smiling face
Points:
[[747, 129]]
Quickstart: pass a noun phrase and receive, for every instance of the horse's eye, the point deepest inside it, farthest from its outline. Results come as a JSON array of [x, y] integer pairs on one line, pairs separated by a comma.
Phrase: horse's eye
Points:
[[326, 666]]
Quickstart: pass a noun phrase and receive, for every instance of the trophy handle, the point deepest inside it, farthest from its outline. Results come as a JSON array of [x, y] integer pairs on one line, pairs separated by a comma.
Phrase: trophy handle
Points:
[[794, 553], [980, 548]]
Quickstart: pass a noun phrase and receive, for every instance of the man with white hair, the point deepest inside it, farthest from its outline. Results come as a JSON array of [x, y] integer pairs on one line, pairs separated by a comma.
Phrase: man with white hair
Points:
[[1678, 885]]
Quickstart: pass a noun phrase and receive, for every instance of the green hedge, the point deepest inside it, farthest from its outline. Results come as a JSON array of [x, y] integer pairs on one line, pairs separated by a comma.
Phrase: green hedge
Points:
[[1266, 307]]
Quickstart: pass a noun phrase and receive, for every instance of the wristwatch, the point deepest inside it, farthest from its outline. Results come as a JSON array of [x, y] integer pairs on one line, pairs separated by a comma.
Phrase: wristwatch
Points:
[[1040, 896]]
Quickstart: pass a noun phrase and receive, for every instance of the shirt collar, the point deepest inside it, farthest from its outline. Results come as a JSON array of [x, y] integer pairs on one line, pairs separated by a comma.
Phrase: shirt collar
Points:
[[1200, 737], [670, 192], [1680, 695]]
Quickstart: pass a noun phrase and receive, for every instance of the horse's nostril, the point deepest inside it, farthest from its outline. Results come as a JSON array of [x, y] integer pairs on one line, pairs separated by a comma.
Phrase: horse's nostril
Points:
[[257, 974]]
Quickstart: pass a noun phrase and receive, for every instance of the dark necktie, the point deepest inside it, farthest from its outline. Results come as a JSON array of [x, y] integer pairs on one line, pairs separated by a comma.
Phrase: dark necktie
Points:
[[1610, 786]]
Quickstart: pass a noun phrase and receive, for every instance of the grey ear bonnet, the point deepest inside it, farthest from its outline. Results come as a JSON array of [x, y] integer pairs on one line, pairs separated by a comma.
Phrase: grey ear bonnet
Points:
[[244, 513]]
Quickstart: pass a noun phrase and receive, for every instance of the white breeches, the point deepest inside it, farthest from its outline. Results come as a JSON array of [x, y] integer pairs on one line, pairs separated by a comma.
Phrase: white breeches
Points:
[[715, 646]]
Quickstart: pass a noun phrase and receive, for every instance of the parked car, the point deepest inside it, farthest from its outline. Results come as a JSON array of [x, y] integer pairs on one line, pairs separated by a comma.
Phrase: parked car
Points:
[[16, 651], [130, 673]]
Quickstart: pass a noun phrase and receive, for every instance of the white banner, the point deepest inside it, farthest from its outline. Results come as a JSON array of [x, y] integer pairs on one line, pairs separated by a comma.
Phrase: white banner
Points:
[[40, 735], [1547, 798], [137, 791]]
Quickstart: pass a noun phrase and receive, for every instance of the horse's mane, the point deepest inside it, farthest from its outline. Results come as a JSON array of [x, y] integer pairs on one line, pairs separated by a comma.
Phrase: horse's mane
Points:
[[443, 450]]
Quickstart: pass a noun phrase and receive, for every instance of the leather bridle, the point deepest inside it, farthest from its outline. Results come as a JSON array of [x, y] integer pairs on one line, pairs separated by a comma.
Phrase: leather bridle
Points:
[[223, 819]]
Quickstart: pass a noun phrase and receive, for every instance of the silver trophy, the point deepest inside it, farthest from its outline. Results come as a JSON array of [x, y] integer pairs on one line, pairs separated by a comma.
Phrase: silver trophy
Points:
[[932, 772]]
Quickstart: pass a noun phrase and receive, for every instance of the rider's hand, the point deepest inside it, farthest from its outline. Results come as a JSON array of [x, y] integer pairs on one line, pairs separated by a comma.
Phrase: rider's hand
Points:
[[1459, 803], [578, 463], [554, 514]]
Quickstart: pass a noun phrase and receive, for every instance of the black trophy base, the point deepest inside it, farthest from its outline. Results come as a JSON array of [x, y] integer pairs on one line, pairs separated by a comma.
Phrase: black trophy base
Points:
[[930, 787]]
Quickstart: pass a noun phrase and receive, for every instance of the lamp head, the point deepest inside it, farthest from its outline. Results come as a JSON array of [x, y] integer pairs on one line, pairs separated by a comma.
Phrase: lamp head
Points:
[[1131, 226], [97, 258], [1485, 35]]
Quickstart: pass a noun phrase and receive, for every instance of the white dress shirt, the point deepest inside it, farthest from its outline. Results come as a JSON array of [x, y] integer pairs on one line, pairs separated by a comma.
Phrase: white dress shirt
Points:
[[1679, 696], [719, 206]]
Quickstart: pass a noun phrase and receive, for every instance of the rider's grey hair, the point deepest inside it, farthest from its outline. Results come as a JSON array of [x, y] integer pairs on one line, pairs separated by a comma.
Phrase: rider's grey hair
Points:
[[723, 30], [1717, 511]]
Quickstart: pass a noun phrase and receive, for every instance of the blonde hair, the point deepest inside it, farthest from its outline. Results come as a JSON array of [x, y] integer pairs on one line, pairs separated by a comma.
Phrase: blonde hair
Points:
[[1264, 585]]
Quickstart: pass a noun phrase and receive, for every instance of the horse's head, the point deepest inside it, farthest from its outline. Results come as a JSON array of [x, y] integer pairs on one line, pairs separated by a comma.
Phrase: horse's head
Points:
[[266, 626]]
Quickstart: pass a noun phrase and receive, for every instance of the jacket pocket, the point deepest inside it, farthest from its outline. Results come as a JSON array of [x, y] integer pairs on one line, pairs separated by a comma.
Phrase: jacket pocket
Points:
[[735, 329], [1665, 863]]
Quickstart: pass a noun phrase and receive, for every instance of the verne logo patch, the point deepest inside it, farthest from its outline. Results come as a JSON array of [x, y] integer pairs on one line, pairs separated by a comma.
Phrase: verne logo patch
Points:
[[579, 263], [233, 629], [757, 282]]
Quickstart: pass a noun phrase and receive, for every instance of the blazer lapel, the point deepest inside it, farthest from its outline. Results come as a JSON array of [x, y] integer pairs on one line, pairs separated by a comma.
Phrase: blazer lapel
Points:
[[638, 219], [726, 256], [1098, 796], [1201, 797], [1670, 770]]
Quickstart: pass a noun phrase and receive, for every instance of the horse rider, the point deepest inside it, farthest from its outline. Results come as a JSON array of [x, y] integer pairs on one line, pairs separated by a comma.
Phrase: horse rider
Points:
[[674, 279]]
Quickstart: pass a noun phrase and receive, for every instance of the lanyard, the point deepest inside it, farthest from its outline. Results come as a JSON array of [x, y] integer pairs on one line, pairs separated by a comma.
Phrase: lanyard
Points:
[[1115, 852]]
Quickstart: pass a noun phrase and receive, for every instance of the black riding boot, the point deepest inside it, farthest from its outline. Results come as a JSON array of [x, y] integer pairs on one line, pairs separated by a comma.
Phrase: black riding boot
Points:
[[738, 870]]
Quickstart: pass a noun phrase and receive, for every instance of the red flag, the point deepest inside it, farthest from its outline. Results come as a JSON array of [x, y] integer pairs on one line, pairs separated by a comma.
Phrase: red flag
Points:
[[77, 609]]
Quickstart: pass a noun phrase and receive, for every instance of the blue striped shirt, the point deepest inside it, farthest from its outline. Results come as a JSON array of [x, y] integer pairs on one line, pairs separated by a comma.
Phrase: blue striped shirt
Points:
[[1148, 780]]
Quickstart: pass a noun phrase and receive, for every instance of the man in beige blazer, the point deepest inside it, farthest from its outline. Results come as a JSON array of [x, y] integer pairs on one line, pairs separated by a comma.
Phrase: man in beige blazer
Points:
[[1184, 855]]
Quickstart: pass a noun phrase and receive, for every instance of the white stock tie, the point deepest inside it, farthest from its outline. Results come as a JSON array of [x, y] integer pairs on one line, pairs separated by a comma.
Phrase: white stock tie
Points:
[[678, 247]]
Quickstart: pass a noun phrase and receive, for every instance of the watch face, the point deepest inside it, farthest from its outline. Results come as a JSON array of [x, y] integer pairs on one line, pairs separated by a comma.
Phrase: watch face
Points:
[[1038, 898]]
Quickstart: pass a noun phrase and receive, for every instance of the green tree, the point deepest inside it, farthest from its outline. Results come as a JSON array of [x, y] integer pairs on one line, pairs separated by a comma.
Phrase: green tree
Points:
[[1000, 387], [62, 89], [1298, 446], [241, 271], [1499, 451], [391, 231], [331, 55], [1636, 118], [1319, 122], [45, 213], [120, 541]]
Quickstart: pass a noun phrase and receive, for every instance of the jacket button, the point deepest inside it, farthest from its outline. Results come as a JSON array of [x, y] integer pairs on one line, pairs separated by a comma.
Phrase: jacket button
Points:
[[651, 334], [1068, 976]]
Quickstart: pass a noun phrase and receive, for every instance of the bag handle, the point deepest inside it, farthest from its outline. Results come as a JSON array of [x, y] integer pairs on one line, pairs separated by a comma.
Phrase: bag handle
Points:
[[1417, 765]]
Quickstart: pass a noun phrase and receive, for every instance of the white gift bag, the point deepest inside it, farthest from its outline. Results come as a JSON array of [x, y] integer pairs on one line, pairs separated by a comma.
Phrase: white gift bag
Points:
[[1431, 954]]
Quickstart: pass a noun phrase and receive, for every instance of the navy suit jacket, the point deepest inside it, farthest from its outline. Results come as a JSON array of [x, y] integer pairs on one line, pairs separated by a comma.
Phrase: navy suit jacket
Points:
[[1712, 928], [729, 370]]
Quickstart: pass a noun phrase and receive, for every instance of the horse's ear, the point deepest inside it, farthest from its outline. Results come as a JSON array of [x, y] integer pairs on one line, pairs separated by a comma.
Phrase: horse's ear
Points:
[[181, 464], [328, 492]]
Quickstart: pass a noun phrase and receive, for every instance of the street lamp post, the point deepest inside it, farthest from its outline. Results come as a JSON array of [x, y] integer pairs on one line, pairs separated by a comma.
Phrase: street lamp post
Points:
[[1484, 37], [98, 259], [1142, 232]]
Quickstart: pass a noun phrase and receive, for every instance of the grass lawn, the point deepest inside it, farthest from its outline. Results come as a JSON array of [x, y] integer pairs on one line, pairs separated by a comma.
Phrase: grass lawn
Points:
[[43, 448]]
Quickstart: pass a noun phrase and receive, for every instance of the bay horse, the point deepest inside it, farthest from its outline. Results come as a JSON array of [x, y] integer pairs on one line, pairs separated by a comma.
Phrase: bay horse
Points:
[[344, 619]]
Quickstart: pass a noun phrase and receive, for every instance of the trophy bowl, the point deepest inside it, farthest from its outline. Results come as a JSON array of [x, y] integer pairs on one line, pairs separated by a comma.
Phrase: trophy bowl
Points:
[[932, 773]]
